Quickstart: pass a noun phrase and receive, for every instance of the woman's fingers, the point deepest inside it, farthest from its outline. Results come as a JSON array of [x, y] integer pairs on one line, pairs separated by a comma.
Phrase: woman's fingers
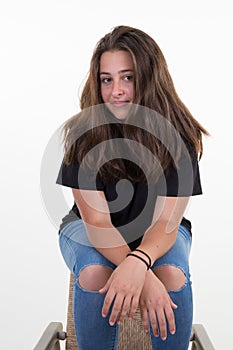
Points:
[[162, 323], [108, 301], [161, 316], [123, 290], [160, 319], [153, 322], [121, 305], [125, 308], [105, 288], [170, 319], [156, 302], [144, 317], [134, 305], [173, 305], [116, 309]]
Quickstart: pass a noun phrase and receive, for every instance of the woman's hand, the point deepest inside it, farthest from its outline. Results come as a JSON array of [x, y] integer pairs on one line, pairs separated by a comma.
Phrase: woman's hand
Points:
[[123, 289], [156, 303]]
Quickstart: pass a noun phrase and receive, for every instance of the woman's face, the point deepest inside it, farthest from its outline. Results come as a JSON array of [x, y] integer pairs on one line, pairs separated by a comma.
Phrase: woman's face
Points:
[[117, 81]]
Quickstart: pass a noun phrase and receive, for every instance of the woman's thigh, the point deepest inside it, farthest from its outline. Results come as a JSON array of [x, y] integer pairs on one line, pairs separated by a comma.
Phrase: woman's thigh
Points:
[[77, 250]]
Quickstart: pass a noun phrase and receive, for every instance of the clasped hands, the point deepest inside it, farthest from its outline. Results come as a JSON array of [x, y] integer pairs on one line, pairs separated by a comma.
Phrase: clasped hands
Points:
[[131, 285]]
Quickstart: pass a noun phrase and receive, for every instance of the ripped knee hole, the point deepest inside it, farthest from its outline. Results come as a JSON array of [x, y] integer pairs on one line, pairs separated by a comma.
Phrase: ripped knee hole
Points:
[[172, 277], [94, 277]]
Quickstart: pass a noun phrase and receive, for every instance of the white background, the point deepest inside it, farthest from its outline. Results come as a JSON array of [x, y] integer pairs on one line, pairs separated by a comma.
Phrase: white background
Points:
[[46, 47]]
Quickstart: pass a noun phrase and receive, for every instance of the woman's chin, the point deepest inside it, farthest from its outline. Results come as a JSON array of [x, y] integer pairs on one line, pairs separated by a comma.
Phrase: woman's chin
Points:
[[120, 112]]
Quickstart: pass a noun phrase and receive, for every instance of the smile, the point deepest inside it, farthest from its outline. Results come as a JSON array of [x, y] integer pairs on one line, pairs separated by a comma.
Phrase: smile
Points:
[[120, 103]]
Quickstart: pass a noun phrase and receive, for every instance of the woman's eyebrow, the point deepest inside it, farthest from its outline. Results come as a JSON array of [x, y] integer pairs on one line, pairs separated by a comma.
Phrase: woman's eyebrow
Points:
[[120, 71]]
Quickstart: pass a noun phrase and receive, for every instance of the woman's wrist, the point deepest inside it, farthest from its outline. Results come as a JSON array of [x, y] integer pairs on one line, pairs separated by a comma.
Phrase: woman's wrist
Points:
[[141, 255], [145, 255], [139, 258]]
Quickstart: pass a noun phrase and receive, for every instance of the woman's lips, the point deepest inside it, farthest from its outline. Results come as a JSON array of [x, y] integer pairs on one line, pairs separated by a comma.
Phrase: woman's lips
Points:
[[119, 103]]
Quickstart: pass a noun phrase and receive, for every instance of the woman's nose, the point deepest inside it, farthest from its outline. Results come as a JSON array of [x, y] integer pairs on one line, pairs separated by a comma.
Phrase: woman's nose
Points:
[[117, 89]]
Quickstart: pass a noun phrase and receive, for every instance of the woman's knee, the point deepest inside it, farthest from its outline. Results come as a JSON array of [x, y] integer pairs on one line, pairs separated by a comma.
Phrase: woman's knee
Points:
[[172, 277], [94, 277]]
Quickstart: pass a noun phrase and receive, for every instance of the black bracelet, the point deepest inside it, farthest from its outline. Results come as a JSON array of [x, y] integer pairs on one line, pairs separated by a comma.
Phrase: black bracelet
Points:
[[139, 257], [141, 251]]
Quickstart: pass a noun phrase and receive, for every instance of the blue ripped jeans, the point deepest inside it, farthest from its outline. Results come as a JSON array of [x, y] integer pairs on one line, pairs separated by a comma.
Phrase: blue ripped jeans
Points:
[[92, 330]]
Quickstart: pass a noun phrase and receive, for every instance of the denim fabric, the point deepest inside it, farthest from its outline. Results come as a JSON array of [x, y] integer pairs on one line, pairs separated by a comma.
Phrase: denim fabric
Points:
[[92, 330], [178, 256]]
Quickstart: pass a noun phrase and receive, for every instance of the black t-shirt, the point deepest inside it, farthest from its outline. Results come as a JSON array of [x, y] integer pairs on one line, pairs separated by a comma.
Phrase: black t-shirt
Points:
[[131, 206]]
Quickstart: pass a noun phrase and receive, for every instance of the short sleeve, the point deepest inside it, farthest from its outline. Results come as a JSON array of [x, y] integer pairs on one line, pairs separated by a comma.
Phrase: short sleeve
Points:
[[75, 176], [182, 179]]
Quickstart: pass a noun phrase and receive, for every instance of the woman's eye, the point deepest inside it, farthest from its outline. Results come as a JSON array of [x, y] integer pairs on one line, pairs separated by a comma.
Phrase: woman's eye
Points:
[[128, 77], [106, 80]]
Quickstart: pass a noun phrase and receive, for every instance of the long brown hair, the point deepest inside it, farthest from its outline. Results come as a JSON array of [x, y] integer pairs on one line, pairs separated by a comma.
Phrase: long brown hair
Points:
[[154, 90]]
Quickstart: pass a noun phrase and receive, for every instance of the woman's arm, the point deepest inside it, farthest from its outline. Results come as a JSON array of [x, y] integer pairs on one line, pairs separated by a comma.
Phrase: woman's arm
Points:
[[102, 234], [154, 299], [155, 302], [125, 284], [161, 235]]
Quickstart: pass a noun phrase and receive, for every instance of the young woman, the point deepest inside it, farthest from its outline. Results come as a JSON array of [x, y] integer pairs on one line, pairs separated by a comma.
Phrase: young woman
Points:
[[131, 159]]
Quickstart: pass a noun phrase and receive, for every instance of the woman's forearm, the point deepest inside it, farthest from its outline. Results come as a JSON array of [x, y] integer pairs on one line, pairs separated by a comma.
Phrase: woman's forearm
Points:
[[161, 235], [157, 240], [108, 241]]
